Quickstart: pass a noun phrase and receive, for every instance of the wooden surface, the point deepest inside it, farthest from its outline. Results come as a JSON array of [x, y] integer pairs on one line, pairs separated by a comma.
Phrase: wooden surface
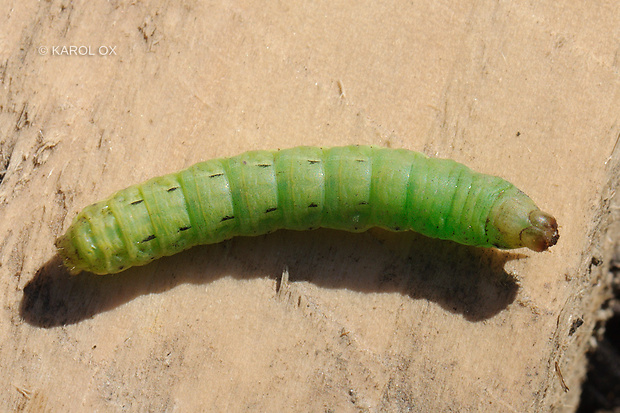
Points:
[[365, 322]]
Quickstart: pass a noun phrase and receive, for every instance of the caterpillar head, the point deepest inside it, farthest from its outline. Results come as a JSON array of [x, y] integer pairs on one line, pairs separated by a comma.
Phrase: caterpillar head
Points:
[[516, 222], [542, 233]]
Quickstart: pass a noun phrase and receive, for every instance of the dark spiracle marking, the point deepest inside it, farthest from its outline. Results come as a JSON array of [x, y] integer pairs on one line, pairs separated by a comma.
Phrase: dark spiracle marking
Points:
[[149, 238]]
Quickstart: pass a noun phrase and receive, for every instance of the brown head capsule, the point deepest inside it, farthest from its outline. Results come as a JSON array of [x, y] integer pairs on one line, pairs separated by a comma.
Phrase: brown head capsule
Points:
[[542, 233], [516, 222]]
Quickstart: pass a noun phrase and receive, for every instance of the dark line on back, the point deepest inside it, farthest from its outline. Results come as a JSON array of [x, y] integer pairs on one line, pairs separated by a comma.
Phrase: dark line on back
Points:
[[214, 175], [139, 201], [227, 217]]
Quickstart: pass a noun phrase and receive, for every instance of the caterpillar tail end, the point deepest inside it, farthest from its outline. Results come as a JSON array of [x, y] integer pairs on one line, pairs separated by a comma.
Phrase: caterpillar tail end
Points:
[[542, 232], [69, 254]]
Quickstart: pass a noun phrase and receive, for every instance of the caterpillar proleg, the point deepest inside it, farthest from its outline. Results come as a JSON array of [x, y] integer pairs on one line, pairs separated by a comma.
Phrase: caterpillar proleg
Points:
[[351, 188]]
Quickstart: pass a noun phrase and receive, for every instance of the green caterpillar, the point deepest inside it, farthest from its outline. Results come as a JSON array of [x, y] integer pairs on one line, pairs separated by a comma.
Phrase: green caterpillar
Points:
[[351, 188]]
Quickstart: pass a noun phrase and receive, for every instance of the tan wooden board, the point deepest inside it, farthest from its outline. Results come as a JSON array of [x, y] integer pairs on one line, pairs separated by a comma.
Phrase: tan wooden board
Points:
[[365, 322]]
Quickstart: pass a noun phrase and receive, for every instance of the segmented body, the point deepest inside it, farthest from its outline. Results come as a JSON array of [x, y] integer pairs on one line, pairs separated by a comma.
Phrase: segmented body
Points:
[[351, 188]]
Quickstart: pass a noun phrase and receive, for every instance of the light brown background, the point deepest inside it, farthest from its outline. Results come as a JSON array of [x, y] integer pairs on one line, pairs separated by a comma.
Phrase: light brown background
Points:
[[366, 322]]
